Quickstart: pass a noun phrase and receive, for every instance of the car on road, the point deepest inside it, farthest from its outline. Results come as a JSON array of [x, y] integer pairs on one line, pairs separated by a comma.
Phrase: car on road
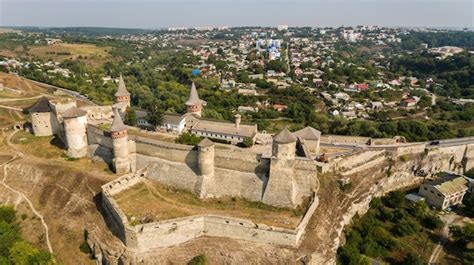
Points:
[[434, 143]]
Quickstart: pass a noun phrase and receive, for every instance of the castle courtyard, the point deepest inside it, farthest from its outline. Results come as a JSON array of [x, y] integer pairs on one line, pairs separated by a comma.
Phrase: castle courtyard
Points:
[[150, 201]]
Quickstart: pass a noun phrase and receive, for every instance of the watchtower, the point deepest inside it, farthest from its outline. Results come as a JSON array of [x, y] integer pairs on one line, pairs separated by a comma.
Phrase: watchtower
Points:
[[75, 126], [194, 104], [118, 130]]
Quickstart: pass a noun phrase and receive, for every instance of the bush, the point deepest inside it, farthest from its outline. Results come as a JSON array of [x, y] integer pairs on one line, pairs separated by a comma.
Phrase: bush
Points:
[[246, 143], [85, 248], [406, 227], [432, 222], [7, 214], [405, 158], [199, 260], [395, 199], [412, 259], [188, 138]]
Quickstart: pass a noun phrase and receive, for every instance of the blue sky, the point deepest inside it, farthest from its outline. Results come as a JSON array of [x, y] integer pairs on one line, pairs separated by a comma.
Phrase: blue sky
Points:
[[168, 13]]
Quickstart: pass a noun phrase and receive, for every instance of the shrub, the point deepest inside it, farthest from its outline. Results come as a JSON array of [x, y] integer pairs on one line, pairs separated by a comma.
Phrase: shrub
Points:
[[432, 222], [199, 260], [405, 158], [247, 142], [395, 199], [7, 214], [188, 138], [85, 248]]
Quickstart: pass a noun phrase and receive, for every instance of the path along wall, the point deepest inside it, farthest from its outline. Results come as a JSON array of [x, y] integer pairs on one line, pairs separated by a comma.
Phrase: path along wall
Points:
[[176, 231]]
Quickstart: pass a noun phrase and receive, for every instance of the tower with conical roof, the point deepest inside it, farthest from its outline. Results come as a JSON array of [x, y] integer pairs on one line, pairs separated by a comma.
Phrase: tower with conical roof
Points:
[[281, 188], [194, 104], [284, 145], [118, 131], [122, 96], [75, 130]]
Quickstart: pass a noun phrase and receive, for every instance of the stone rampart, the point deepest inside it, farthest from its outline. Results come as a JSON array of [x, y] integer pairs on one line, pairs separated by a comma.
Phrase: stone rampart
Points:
[[144, 237], [355, 159], [97, 136], [169, 151]]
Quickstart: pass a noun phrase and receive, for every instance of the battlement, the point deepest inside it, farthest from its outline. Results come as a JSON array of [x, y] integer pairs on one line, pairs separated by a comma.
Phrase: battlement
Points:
[[166, 233]]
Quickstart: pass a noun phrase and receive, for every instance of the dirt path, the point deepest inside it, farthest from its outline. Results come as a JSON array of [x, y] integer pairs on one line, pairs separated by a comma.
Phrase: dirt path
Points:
[[19, 156], [18, 99], [448, 220], [12, 108]]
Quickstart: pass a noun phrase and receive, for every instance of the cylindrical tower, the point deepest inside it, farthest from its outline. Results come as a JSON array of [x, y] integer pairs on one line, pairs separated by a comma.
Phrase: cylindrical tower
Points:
[[194, 103], [75, 126], [122, 94], [118, 130], [284, 145], [206, 157]]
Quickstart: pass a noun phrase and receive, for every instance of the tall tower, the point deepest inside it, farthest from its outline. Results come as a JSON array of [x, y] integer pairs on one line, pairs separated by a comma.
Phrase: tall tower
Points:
[[194, 103], [281, 186], [41, 119], [206, 167], [118, 130], [122, 96], [284, 145], [75, 126]]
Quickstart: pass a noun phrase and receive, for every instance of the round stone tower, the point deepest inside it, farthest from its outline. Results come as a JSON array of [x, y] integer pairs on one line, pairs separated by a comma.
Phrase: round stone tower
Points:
[[41, 119], [122, 95], [206, 157], [75, 126], [194, 103], [118, 131], [284, 145]]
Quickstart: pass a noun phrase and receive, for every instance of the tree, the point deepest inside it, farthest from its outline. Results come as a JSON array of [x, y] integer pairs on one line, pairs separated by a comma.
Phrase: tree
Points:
[[432, 222], [418, 209], [7, 214], [130, 117], [155, 114], [412, 259], [462, 235], [23, 253], [395, 199], [188, 138], [469, 203]]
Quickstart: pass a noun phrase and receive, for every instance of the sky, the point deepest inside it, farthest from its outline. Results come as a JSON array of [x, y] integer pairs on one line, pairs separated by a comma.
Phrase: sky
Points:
[[185, 13]]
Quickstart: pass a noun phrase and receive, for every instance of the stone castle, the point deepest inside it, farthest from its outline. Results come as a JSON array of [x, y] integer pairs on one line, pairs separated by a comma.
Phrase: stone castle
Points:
[[284, 178]]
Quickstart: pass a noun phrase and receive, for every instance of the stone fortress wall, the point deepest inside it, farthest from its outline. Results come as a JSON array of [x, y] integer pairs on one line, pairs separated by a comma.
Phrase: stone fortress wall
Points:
[[236, 173], [282, 180], [144, 237]]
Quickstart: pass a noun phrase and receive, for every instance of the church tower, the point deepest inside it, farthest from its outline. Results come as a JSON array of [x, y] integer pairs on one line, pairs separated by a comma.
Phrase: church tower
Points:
[[118, 130], [194, 103]]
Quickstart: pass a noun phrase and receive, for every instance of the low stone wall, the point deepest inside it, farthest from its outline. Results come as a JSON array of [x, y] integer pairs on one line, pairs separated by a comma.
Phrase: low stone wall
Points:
[[172, 232]]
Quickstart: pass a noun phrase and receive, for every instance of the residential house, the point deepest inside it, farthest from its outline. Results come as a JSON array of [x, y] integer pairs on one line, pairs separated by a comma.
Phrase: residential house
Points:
[[445, 191]]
